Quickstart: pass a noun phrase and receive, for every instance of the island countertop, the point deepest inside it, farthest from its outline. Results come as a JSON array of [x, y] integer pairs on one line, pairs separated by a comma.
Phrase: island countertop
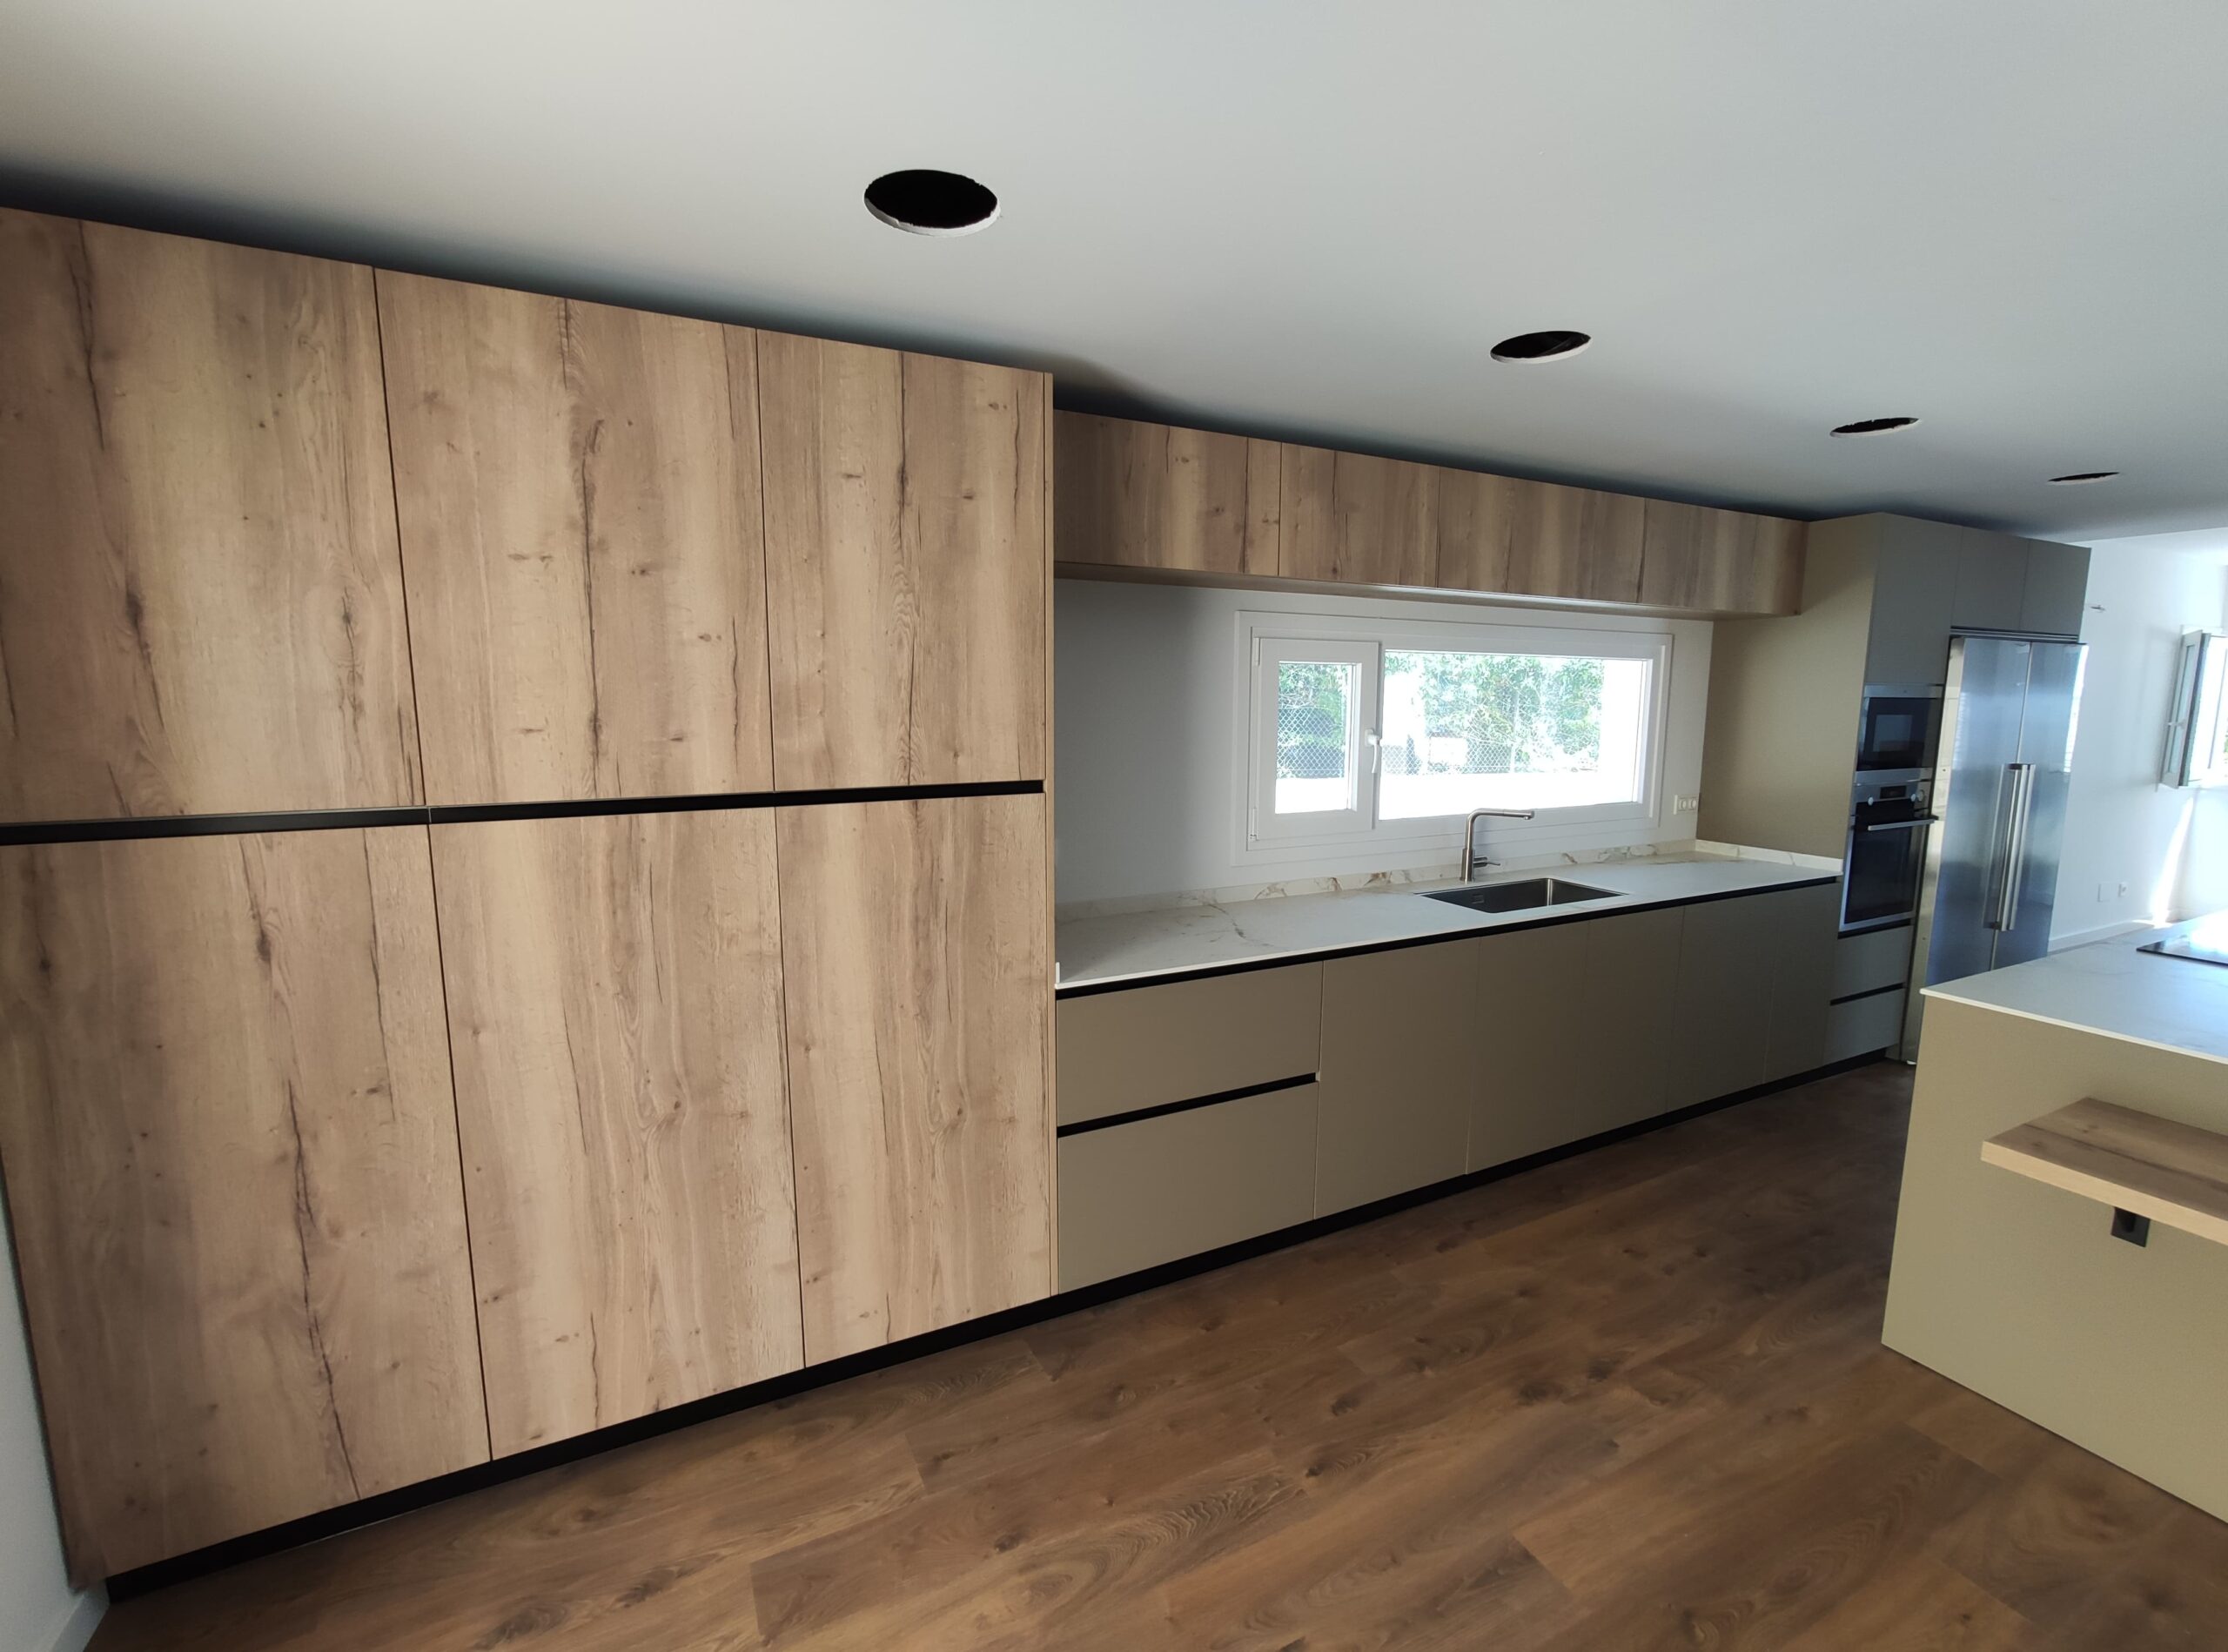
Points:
[[1097, 952], [2112, 988]]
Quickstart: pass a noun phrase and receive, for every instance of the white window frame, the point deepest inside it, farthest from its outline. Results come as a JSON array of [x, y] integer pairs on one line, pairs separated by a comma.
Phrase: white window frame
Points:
[[2194, 738], [1263, 836]]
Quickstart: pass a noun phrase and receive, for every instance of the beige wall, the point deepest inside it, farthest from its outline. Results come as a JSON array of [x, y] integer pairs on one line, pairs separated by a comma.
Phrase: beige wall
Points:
[[2019, 1291]]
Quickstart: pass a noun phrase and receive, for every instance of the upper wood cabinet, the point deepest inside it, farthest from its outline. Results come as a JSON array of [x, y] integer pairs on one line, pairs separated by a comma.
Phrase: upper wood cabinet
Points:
[[578, 489], [916, 963], [615, 1009], [1133, 494], [1717, 562], [906, 562], [231, 1164], [200, 601], [1354, 518], [1141, 496]]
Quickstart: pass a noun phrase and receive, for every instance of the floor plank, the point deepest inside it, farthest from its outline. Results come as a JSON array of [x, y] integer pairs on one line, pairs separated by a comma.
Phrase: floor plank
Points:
[[1635, 1399]]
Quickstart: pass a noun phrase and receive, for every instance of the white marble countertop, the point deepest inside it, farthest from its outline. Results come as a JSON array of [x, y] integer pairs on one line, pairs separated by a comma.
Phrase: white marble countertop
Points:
[[2109, 987], [1183, 940]]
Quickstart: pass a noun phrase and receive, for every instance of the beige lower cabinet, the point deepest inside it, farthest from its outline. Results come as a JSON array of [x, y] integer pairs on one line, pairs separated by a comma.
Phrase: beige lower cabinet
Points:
[[1400, 1047], [231, 1164], [916, 969], [1148, 1046], [1150, 1191], [615, 1013], [1803, 925], [1577, 1022], [1871, 961], [1859, 1026]]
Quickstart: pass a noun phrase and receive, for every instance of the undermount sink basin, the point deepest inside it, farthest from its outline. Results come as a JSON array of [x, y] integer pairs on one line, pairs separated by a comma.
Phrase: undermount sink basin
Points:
[[1520, 896]]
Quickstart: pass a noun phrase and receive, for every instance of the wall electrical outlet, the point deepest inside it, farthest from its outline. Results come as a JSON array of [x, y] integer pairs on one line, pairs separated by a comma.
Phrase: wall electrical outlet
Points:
[[1685, 803]]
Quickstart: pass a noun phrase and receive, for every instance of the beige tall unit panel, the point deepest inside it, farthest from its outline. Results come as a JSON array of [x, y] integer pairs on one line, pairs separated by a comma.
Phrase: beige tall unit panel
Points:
[[200, 601], [1139, 495], [615, 1011], [232, 1163], [1400, 1052], [578, 487], [917, 969], [906, 561]]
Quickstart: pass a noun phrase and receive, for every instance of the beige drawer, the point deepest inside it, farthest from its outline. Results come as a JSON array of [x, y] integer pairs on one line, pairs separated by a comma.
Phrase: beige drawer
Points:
[[1863, 1026], [1148, 1046], [1868, 962], [1151, 1191]]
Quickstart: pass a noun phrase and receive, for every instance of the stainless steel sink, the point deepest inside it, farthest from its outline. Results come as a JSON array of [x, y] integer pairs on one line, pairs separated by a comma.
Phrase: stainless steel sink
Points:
[[1520, 895]]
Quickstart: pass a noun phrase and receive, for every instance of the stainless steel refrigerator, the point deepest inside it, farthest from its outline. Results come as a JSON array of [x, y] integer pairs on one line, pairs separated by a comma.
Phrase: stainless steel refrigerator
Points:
[[2003, 760]]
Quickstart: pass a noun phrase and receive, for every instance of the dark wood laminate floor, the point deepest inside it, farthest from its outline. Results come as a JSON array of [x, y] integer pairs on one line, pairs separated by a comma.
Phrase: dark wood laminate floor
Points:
[[1635, 1399]]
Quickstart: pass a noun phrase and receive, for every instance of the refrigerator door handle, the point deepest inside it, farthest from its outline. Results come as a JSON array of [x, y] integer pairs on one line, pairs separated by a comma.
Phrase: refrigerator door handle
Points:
[[2021, 779]]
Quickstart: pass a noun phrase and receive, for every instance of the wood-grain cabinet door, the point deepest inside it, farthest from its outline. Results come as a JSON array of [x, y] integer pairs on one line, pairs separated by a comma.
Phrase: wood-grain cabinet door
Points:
[[1576, 542], [1135, 494], [906, 561], [200, 601], [1354, 518], [615, 1009], [230, 1152], [1719, 561], [914, 959], [579, 495]]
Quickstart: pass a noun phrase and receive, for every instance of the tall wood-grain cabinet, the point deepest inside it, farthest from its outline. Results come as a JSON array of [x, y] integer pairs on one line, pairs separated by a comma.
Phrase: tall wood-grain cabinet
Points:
[[232, 1174], [201, 607]]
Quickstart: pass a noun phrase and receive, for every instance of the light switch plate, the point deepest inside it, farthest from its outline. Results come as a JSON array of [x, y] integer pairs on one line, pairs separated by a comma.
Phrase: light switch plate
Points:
[[1685, 803]]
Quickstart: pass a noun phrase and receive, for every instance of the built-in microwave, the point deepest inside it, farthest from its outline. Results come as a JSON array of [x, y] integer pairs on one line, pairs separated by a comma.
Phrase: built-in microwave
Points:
[[1886, 863], [1896, 734]]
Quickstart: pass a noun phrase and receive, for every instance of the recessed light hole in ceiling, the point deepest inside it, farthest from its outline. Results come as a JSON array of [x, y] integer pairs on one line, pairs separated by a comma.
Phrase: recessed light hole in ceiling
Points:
[[2072, 477], [1541, 346], [1873, 426], [922, 201]]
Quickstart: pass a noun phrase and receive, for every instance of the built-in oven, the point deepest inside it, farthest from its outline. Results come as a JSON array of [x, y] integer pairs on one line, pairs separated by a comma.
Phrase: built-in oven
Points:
[[1896, 734], [1888, 823]]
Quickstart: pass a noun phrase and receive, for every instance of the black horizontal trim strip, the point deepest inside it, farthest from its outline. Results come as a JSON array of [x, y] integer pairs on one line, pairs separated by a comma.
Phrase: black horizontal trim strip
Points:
[[315, 820], [1548, 918], [1873, 992], [1083, 1127], [124, 1586], [138, 826]]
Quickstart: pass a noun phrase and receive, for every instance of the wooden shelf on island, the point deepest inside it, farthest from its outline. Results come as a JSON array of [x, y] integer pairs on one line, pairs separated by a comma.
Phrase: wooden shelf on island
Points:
[[2175, 1174]]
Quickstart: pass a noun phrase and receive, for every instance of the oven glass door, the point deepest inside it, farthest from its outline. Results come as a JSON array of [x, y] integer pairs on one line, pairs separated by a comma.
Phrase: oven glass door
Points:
[[1885, 863], [1898, 733]]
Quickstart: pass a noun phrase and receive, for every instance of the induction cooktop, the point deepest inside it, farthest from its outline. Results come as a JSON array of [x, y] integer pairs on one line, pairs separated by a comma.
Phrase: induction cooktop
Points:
[[2205, 943]]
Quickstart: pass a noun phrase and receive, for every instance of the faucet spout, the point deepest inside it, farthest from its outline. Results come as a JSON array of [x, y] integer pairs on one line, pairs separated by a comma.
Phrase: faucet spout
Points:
[[1470, 859]]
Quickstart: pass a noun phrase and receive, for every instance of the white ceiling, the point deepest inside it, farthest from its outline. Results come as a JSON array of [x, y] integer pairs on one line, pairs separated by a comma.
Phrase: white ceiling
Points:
[[2008, 217]]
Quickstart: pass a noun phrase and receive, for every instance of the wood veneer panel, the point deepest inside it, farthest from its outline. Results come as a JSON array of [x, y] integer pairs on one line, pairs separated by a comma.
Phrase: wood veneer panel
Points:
[[914, 957], [231, 1162], [2174, 1173], [581, 526], [1721, 561], [1135, 494], [1356, 518], [200, 601], [906, 565], [614, 1002], [1576, 542]]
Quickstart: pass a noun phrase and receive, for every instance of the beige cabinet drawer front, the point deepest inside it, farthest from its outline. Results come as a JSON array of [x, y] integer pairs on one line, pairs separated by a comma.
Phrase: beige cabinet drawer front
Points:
[[1866, 963], [1148, 1046], [1137, 1194], [1863, 1026]]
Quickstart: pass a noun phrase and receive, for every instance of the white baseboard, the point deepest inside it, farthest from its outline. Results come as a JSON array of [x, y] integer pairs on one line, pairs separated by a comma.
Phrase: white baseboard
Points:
[[2102, 932], [77, 1626]]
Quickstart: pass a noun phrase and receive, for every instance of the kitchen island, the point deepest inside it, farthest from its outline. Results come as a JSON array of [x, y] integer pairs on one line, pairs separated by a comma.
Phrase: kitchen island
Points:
[[2020, 1287]]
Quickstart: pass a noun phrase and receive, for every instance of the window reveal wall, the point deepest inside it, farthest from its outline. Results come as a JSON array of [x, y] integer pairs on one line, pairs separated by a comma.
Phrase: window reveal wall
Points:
[[1153, 704]]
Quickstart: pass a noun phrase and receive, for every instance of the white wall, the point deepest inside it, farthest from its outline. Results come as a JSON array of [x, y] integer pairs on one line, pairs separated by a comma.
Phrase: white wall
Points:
[[39, 1612], [1145, 752], [2169, 847]]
